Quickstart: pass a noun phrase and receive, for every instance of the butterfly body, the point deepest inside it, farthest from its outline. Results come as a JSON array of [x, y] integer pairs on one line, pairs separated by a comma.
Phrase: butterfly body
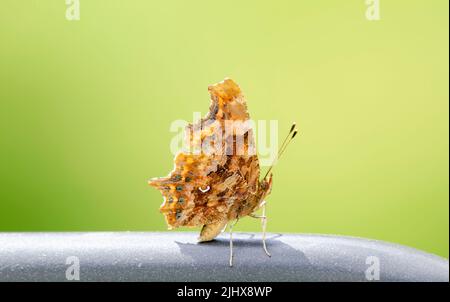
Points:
[[218, 180]]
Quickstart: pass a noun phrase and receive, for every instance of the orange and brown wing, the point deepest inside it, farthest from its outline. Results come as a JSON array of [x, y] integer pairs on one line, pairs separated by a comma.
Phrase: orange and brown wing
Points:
[[207, 187]]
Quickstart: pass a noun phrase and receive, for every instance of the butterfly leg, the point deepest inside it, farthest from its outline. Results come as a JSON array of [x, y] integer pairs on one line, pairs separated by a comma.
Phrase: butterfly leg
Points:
[[263, 218], [231, 241]]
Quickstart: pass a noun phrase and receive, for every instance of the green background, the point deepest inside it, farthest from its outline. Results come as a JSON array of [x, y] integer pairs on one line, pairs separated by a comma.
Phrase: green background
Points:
[[86, 108]]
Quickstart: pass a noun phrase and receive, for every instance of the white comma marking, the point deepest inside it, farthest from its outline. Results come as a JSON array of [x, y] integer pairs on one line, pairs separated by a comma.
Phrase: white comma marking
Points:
[[204, 190]]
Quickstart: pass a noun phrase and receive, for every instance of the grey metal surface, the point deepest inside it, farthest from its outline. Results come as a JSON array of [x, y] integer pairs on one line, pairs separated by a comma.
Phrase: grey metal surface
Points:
[[170, 256]]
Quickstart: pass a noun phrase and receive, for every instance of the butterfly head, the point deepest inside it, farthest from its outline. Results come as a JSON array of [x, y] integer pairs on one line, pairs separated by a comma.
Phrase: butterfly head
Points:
[[265, 187]]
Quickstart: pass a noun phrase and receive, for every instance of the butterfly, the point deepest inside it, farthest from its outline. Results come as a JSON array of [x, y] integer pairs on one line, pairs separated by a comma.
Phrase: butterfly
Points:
[[216, 180]]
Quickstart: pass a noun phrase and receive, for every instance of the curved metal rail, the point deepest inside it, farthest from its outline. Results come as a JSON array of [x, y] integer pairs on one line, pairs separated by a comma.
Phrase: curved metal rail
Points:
[[171, 256]]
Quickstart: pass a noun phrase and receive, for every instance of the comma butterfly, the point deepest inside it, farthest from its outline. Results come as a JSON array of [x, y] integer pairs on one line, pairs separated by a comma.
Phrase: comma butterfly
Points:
[[215, 188]]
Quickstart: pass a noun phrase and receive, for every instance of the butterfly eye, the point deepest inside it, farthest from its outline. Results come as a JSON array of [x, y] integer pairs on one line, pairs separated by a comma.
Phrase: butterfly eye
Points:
[[204, 190]]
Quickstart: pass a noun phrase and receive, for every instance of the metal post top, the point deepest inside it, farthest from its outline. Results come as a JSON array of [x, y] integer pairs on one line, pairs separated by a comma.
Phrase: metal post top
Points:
[[176, 256]]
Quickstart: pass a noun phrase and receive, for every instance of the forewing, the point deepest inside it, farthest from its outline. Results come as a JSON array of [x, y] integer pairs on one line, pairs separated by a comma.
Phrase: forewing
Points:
[[213, 179]]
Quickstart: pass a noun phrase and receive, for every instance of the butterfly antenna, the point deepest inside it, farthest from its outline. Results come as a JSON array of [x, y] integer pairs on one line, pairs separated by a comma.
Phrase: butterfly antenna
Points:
[[292, 133], [286, 138], [287, 144]]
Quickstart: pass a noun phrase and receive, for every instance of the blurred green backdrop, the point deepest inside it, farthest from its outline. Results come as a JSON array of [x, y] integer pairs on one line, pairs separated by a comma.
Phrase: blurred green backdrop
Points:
[[86, 108]]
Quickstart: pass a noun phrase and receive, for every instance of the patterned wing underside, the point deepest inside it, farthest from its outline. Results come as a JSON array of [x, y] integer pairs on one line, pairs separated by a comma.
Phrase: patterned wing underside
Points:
[[231, 178]]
